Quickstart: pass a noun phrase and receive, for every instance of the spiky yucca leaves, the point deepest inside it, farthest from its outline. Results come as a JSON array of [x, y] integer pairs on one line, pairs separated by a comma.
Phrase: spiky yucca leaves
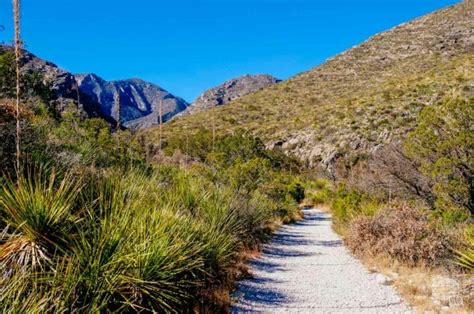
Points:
[[133, 253], [167, 265], [465, 258], [37, 210], [140, 241]]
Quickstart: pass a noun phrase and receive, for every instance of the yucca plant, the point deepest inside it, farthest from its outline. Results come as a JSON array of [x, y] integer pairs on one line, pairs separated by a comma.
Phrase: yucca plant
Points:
[[167, 264], [40, 292], [465, 258], [133, 256], [37, 210]]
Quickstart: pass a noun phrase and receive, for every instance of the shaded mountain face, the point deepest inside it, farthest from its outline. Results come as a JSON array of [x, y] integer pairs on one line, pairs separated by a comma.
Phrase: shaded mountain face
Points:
[[137, 101], [349, 116], [229, 91], [62, 82]]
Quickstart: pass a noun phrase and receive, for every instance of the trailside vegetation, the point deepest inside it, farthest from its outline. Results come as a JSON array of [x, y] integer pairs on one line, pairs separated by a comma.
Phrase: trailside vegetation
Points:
[[96, 220], [417, 231]]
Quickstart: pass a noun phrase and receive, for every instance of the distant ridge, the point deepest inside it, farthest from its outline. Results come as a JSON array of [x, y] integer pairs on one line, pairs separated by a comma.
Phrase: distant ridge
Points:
[[230, 90]]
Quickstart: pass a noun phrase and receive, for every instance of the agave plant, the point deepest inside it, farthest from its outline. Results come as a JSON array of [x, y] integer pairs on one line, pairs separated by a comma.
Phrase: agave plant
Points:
[[37, 212]]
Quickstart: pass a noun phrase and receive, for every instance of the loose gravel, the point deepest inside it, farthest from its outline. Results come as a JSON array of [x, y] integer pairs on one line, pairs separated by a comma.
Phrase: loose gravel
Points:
[[306, 269]]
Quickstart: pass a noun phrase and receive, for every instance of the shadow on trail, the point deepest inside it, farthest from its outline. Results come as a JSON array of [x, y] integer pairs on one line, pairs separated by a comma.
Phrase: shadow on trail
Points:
[[311, 218], [265, 266], [256, 290], [329, 243], [250, 293]]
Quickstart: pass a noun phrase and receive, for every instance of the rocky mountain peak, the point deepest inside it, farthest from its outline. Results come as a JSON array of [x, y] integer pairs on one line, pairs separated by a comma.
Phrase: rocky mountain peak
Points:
[[139, 101], [230, 90]]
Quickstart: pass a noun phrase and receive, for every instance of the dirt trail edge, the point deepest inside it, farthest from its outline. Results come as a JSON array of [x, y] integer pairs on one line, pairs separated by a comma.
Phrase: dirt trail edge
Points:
[[306, 269]]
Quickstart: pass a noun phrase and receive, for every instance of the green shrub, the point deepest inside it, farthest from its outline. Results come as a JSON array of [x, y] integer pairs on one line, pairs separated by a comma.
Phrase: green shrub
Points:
[[443, 143], [297, 191], [348, 203], [321, 197]]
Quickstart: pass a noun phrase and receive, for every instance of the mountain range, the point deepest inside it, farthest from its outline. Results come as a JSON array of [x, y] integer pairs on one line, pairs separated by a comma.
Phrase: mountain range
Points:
[[137, 102]]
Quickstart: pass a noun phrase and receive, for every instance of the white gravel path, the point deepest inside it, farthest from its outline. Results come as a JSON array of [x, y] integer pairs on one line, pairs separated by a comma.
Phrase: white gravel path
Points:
[[306, 269]]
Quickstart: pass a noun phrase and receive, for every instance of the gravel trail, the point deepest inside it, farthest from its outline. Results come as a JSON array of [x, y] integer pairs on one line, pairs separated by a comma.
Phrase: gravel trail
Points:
[[306, 269]]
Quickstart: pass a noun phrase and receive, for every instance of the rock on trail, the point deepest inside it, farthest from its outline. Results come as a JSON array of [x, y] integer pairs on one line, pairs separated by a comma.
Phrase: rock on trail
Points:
[[306, 269]]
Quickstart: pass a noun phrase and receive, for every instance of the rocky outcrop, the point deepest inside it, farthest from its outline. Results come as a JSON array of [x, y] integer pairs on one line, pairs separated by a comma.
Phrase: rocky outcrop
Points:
[[230, 90]]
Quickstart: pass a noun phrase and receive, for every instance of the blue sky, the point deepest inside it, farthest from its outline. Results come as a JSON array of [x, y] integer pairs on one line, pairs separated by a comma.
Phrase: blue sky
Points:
[[187, 46]]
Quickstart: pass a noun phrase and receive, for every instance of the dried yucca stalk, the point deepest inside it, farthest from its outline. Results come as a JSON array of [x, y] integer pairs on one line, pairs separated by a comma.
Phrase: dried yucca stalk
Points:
[[161, 124], [16, 20]]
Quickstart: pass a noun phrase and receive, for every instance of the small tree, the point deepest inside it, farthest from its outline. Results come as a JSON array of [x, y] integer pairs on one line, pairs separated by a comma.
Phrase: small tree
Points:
[[443, 144]]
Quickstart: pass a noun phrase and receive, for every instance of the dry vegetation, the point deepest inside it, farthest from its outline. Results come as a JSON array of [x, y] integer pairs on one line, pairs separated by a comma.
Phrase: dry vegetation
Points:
[[414, 284], [403, 233]]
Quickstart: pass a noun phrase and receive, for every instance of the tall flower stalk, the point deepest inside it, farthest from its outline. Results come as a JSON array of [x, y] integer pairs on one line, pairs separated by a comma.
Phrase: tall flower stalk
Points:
[[16, 20], [161, 124], [119, 109]]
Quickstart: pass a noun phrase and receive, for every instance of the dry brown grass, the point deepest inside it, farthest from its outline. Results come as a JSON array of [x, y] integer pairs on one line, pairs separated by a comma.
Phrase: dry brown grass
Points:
[[402, 233]]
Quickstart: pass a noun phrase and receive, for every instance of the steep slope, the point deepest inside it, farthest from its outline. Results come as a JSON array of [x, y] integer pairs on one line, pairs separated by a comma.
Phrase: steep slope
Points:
[[229, 91], [139, 100], [96, 97], [356, 108]]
